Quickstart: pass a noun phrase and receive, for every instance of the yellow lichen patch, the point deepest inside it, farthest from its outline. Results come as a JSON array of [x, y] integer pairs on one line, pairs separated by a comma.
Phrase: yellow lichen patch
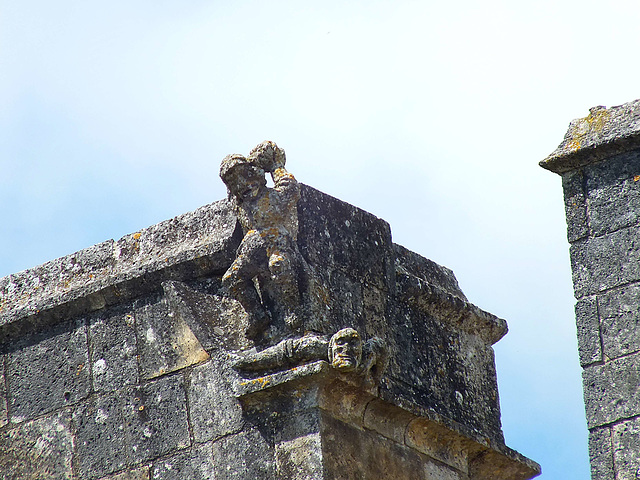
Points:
[[636, 178], [137, 235]]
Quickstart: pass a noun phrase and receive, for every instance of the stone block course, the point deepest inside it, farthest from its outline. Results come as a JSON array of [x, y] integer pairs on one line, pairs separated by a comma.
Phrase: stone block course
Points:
[[47, 371], [155, 416], [626, 449], [100, 443], [620, 320], [602, 263], [112, 341], [588, 324], [40, 449], [213, 409], [601, 454], [612, 390]]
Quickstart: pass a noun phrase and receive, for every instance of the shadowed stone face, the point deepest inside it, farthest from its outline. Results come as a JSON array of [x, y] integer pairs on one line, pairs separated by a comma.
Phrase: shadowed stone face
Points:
[[345, 350]]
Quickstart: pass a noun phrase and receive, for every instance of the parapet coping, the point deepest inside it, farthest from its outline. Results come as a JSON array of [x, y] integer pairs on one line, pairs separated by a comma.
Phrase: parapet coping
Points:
[[192, 245], [484, 452], [603, 133]]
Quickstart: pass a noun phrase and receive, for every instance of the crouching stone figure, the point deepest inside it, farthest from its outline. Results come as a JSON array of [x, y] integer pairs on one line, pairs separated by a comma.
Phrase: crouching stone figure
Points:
[[268, 253]]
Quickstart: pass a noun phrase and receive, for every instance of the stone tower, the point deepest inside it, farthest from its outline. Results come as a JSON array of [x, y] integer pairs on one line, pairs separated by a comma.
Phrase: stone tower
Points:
[[277, 334], [599, 161]]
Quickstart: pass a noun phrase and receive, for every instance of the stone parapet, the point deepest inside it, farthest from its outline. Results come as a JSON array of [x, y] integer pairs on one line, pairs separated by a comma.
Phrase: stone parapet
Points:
[[126, 352]]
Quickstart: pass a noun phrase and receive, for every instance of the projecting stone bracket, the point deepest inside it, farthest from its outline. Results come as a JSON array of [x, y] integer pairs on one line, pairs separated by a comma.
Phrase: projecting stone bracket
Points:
[[339, 420]]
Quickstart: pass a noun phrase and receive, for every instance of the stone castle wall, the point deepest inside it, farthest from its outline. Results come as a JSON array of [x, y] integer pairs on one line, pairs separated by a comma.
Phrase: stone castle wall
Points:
[[116, 363]]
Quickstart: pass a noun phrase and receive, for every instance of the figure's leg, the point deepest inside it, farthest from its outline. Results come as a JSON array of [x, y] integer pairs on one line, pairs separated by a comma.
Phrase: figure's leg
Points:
[[238, 279], [284, 277]]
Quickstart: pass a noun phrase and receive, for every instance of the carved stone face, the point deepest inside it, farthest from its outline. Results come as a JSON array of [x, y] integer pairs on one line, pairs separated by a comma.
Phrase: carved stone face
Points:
[[246, 181], [345, 350]]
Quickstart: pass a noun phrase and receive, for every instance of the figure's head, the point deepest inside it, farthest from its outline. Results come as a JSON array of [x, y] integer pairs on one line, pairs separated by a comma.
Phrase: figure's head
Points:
[[243, 179], [345, 350]]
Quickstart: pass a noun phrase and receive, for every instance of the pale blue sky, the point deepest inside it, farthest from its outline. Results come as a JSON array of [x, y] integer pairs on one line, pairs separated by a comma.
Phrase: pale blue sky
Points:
[[432, 115]]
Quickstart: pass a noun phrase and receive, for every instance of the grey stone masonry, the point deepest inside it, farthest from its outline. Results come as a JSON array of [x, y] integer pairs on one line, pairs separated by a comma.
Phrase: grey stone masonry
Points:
[[120, 362], [599, 161]]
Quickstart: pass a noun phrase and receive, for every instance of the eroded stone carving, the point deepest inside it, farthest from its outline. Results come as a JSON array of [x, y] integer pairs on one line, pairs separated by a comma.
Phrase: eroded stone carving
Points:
[[345, 351], [268, 254]]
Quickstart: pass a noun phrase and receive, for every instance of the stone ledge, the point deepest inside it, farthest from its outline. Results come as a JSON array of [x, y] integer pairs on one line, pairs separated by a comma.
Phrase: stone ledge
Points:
[[428, 433], [603, 133], [449, 308], [190, 245]]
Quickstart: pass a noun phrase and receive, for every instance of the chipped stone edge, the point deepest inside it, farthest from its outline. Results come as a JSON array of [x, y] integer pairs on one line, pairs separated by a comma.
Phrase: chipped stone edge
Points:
[[603, 133]]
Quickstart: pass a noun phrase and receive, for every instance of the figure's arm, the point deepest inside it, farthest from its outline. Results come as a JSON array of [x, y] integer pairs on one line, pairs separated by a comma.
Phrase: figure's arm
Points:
[[272, 159]]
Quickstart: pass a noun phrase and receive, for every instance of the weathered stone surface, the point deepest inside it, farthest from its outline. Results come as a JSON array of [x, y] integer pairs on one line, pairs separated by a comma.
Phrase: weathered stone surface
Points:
[[620, 320], [602, 134], [300, 458], [613, 193], [575, 206], [612, 390], [165, 341], [588, 323], [112, 340], [450, 361], [245, 455], [155, 415], [141, 473], [387, 420], [38, 450], [214, 410], [438, 442], [47, 371], [194, 464], [601, 263], [190, 245], [626, 449], [331, 236], [100, 437], [353, 454], [4, 418], [601, 454], [216, 320]]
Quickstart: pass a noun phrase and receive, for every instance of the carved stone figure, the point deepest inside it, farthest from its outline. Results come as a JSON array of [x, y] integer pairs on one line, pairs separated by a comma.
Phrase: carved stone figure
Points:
[[268, 253], [344, 351], [347, 353]]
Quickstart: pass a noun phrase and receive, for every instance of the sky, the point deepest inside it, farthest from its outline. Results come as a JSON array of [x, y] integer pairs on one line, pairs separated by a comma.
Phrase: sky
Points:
[[432, 115]]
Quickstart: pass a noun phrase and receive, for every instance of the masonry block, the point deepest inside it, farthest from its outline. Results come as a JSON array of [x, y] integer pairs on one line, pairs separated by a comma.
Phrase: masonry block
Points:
[[155, 416], [194, 464], [112, 339], [575, 206], [588, 323], [626, 449], [39, 449], [214, 410], [620, 320], [165, 341], [101, 447], [244, 455], [613, 193], [601, 263], [47, 371], [612, 390]]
